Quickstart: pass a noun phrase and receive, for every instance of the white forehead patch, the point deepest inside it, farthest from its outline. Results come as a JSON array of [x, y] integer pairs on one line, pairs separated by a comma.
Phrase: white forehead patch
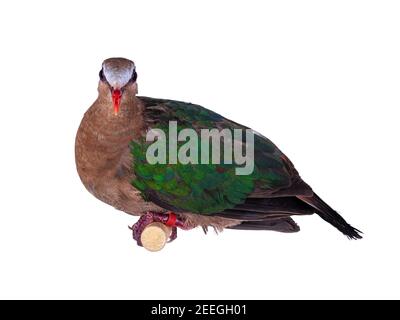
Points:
[[118, 72]]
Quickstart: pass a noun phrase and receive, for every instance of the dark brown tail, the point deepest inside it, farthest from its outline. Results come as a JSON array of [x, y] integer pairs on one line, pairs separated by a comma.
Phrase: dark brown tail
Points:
[[331, 216]]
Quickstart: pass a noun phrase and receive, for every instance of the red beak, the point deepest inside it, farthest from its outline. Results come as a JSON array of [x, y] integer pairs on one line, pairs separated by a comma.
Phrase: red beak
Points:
[[116, 98]]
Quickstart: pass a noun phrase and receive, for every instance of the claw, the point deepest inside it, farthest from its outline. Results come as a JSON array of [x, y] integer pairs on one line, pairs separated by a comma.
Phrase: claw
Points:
[[174, 234]]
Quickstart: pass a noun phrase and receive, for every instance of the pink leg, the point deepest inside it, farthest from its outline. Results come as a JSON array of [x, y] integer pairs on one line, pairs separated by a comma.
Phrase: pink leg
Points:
[[168, 218]]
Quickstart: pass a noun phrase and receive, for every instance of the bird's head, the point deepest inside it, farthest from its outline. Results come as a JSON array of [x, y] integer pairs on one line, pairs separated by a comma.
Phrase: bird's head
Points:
[[117, 76]]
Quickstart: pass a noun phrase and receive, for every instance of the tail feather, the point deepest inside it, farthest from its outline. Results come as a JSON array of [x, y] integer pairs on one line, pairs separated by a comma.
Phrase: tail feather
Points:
[[286, 225], [331, 216]]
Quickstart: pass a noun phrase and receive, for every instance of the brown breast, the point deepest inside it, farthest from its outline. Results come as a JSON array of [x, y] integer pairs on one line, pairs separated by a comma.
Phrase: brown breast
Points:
[[103, 157]]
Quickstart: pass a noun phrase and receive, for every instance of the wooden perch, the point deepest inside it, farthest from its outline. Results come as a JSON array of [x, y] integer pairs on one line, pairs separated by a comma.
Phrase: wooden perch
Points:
[[155, 236]]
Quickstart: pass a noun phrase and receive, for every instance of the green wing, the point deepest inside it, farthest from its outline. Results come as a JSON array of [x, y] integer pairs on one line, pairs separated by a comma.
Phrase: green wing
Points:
[[203, 188]]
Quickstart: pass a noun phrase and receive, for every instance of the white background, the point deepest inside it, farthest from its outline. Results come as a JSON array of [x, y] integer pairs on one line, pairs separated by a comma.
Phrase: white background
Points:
[[319, 78]]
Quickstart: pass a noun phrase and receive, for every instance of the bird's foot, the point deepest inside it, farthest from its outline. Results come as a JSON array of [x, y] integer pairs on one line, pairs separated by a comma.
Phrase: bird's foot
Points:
[[170, 220]]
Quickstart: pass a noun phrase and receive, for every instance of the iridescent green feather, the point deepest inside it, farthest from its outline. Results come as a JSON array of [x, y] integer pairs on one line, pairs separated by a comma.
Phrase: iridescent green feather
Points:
[[202, 188]]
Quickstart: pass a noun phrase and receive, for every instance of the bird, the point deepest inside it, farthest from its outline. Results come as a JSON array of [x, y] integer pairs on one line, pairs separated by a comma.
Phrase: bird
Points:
[[111, 159]]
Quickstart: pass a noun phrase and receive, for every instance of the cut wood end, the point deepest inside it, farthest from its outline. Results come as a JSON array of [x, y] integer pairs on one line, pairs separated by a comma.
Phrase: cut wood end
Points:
[[155, 236]]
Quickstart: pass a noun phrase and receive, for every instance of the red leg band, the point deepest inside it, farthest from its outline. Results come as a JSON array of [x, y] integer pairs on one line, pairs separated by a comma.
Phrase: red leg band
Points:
[[171, 220]]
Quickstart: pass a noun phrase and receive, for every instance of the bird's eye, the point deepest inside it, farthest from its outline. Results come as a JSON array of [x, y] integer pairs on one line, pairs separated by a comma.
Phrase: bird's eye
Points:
[[101, 75], [134, 76]]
